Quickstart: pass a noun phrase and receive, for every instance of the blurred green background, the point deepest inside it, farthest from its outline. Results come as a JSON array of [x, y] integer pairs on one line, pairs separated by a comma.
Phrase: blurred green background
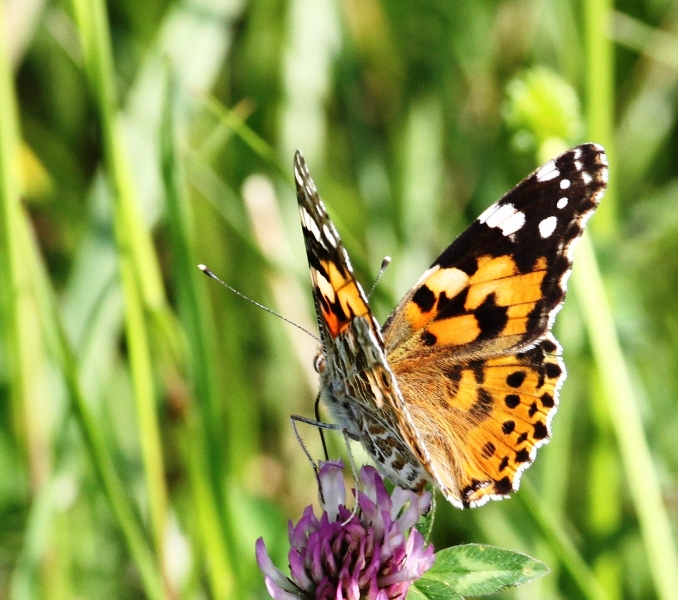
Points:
[[144, 435]]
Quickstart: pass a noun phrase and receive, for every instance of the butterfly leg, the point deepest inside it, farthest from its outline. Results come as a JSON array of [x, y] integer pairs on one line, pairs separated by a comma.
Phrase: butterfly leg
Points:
[[347, 438], [320, 429], [320, 425]]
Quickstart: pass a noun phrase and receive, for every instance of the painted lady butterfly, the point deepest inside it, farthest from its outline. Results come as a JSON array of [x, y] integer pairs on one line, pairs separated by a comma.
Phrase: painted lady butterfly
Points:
[[460, 385]]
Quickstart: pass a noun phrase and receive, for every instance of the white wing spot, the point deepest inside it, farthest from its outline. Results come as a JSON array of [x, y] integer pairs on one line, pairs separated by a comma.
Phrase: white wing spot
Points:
[[513, 223], [564, 184], [578, 165], [547, 226], [331, 238], [586, 177], [486, 213], [506, 217], [562, 203], [547, 171], [500, 215], [577, 153], [310, 224]]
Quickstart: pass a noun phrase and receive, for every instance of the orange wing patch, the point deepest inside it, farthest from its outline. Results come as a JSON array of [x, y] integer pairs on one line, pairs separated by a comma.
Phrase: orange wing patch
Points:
[[339, 297], [490, 309]]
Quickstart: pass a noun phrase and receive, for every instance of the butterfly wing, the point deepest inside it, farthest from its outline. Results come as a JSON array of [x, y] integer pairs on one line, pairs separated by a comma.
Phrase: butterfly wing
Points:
[[470, 344], [498, 286], [356, 382]]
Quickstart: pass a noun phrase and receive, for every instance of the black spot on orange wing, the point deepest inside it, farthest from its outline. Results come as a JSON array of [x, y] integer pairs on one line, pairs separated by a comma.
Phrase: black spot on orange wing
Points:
[[468, 491], [478, 368], [508, 427], [540, 431], [503, 486], [428, 339], [488, 450], [553, 370], [424, 298], [453, 375], [515, 379], [491, 318], [455, 305], [522, 456], [512, 400], [482, 407], [548, 346], [547, 400]]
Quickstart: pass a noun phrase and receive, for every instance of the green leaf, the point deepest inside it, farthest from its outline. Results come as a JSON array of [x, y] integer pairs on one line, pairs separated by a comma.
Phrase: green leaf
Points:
[[477, 570], [432, 589]]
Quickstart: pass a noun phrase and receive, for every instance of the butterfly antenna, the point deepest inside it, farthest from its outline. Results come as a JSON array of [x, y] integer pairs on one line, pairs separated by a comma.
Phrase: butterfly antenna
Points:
[[384, 264], [209, 273]]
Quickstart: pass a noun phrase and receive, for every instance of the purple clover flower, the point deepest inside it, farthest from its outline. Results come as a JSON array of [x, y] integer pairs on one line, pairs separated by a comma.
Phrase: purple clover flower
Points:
[[371, 557]]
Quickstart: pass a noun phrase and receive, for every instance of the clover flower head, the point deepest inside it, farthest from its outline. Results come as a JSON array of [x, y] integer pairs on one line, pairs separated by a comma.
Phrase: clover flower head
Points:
[[375, 555]]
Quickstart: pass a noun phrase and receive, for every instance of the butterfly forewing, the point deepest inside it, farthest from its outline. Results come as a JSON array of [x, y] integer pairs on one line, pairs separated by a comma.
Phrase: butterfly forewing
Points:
[[495, 288], [356, 382]]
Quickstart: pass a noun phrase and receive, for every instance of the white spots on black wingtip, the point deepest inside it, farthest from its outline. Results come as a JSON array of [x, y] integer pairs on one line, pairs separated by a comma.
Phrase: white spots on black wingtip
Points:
[[309, 223], [564, 184], [562, 203], [487, 212], [586, 177], [513, 223], [547, 171], [506, 217], [547, 226], [329, 235], [496, 214], [299, 178], [302, 176], [576, 154]]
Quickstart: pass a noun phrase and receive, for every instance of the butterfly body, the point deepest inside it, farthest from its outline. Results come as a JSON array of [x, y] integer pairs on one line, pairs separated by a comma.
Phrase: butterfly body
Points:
[[460, 385]]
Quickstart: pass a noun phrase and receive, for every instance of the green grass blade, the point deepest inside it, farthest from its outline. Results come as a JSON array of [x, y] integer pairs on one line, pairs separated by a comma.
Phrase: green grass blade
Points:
[[615, 379], [102, 462], [627, 422], [562, 545], [600, 101], [202, 431], [12, 277], [138, 270]]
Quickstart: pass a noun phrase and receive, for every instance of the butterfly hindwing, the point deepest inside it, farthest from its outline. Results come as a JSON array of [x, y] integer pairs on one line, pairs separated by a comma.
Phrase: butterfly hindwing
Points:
[[491, 415]]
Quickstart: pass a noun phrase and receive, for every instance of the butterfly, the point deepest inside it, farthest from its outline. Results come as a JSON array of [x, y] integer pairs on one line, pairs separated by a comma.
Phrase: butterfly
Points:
[[459, 386]]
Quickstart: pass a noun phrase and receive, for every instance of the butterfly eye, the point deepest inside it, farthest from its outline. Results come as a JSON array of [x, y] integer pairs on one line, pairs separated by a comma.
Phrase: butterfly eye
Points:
[[319, 362]]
